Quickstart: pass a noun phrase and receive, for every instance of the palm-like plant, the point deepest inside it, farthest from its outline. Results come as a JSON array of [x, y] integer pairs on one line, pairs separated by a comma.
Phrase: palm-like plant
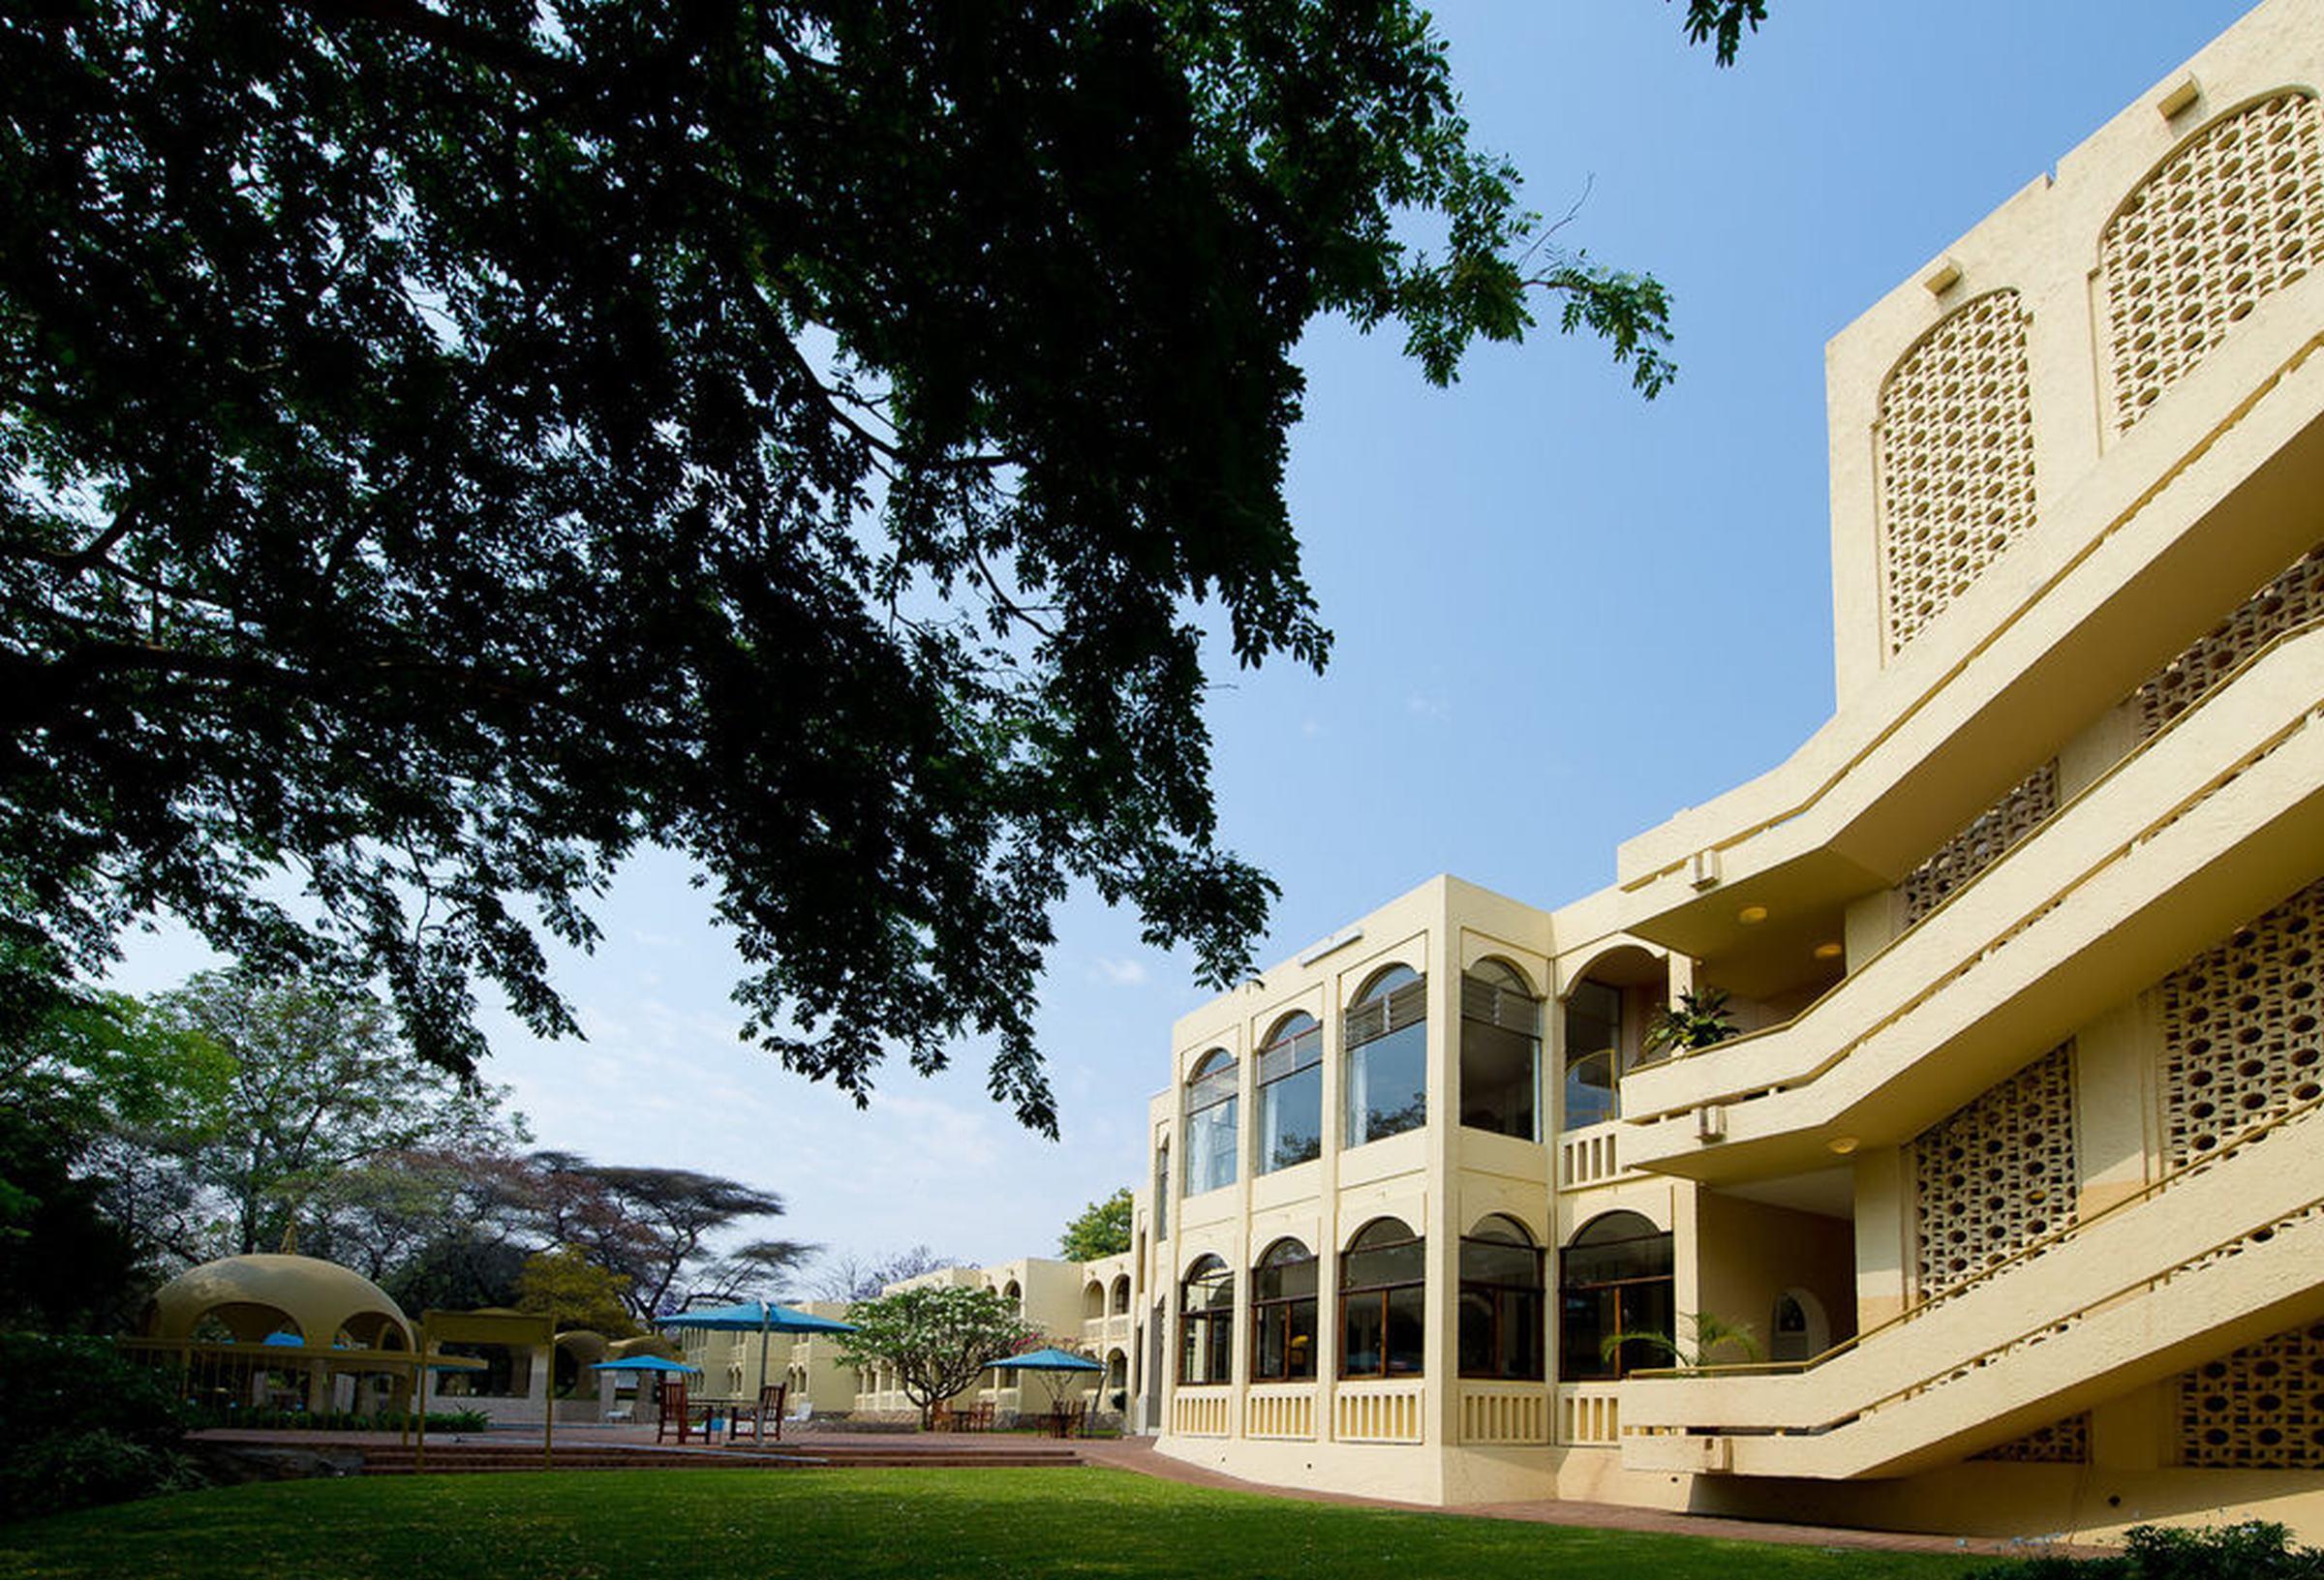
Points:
[[1708, 1332], [1698, 1019]]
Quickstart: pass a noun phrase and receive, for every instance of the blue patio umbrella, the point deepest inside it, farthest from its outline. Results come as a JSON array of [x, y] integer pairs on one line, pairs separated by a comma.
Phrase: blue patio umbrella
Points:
[[646, 1363], [1051, 1360], [760, 1316]]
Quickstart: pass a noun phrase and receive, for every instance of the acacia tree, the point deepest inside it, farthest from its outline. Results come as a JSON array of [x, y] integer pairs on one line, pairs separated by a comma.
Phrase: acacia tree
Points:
[[445, 445], [655, 1227], [936, 1337]]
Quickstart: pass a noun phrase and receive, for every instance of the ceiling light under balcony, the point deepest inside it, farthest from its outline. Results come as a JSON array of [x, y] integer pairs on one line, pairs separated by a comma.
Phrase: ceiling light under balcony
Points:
[[1841, 1145], [1750, 915]]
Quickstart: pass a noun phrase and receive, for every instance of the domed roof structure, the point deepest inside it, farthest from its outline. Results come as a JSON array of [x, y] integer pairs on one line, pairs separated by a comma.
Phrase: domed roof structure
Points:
[[327, 1305]]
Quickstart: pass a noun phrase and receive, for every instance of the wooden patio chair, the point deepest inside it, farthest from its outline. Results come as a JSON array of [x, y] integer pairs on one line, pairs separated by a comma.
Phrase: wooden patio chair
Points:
[[760, 1421]]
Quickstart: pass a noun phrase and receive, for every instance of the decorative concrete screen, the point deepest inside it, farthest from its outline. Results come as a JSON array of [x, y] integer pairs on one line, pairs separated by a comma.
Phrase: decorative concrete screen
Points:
[[1978, 846], [2293, 599], [1955, 444], [2239, 1037], [2260, 1408], [1997, 1173], [2235, 214], [2061, 1443]]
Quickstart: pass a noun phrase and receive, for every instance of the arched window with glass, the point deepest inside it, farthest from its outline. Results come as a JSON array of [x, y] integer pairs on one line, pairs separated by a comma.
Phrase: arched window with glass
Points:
[[1207, 1323], [1291, 1094], [1500, 1051], [1593, 1055], [1387, 1036], [1283, 1313], [1616, 1311], [1211, 1092], [1383, 1305], [1501, 1302], [1162, 1188]]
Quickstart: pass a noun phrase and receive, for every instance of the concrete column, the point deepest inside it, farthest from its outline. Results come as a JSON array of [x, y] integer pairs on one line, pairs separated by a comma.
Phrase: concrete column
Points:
[[2117, 1144], [1439, 1346], [1883, 1235]]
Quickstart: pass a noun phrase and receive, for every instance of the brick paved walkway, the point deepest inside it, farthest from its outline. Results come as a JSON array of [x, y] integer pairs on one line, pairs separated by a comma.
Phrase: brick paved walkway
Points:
[[1137, 1454]]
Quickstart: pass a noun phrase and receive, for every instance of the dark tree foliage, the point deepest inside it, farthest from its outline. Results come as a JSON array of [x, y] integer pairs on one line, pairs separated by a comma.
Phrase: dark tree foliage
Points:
[[445, 445], [1723, 23]]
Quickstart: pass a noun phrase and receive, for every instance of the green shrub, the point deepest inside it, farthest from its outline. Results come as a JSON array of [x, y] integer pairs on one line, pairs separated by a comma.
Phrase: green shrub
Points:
[[82, 1424], [2252, 1550]]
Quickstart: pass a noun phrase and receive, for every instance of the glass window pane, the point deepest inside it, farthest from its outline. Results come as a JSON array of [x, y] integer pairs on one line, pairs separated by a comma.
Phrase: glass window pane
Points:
[[1485, 1262], [1269, 1360], [1362, 1335], [1647, 1308], [1585, 1317], [1291, 1120], [1388, 1086], [1407, 1323], [1521, 1355], [1476, 1345], [1210, 1148], [1648, 1257], [1385, 1264], [1302, 1342], [1500, 1076]]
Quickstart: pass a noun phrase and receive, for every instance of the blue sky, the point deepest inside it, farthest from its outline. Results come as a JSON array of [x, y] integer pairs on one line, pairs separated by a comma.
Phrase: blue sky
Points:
[[1562, 612]]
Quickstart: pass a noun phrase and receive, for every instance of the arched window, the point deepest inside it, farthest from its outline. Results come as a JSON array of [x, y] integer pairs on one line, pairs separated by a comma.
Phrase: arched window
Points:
[[1283, 1313], [1093, 1299], [1383, 1312], [1501, 1302], [1387, 1056], [1014, 1294], [1615, 1279], [1593, 1055], [1122, 1295], [1291, 1094], [1500, 1053], [1211, 1094], [1206, 1322], [1162, 1188]]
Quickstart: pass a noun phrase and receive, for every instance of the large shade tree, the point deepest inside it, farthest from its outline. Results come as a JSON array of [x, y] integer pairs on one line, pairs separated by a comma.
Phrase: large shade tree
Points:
[[447, 443]]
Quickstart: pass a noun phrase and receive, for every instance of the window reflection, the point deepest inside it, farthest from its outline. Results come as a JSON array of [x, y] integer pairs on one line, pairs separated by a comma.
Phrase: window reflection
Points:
[[1386, 1039], [1291, 1094], [1383, 1315]]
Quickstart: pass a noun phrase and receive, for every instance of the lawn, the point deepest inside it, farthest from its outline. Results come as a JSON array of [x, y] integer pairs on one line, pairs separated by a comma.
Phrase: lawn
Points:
[[922, 1523]]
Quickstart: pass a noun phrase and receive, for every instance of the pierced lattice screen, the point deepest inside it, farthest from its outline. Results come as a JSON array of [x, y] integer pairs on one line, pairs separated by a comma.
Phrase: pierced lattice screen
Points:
[[2260, 1408], [2235, 213], [2240, 1036], [1978, 846], [1995, 1174], [2061, 1443], [1955, 444], [2291, 600]]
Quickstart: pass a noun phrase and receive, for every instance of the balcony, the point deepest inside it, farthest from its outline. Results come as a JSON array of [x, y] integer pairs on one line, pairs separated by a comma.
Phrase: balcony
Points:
[[2209, 1258], [2205, 826]]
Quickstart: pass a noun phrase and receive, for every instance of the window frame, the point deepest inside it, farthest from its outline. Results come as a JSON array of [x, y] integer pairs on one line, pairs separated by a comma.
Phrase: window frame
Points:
[[1211, 1327], [1356, 1295], [1289, 1030], [1217, 1076], [1269, 1310], [1394, 987], [1478, 984], [1500, 1295]]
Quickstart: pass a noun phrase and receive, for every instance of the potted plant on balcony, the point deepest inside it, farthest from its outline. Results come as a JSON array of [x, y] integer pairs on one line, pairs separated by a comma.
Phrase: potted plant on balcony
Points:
[[1697, 1020]]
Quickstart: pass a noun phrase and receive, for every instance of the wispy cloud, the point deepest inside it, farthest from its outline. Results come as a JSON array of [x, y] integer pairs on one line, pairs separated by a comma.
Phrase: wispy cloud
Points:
[[1123, 973], [1424, 706]]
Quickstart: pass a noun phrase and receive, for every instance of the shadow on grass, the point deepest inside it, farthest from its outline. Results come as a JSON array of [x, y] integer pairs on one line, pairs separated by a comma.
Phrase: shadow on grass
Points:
[[861, 1524]]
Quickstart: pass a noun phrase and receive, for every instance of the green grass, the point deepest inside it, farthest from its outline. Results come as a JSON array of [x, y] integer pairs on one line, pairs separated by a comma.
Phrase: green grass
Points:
[[854, 1524]]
